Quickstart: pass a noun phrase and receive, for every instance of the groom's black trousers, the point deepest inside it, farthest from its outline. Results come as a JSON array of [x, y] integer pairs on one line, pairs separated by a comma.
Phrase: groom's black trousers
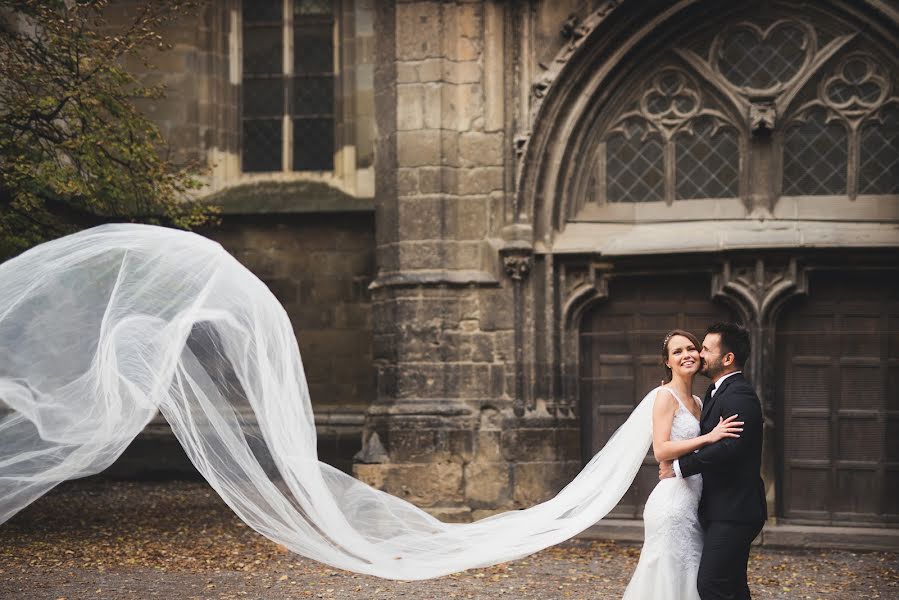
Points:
[[722, 571]]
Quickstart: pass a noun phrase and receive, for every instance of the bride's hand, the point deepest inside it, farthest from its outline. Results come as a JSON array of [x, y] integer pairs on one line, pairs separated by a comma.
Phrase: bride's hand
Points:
[[726, 428]]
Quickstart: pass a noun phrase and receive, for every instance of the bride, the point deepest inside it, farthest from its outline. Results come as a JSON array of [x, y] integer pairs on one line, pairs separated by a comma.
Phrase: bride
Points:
[[672, 546]]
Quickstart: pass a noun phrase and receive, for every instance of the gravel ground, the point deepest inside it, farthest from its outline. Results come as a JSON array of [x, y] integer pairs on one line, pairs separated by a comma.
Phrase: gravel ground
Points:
[[174, 540]]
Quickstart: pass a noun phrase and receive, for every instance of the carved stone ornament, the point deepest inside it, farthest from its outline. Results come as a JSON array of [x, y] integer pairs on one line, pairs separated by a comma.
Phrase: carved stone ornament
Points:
[[575, 30], [520, 143], [568, 27], [541, 85], [670, 104], [762, 116], [517, 266], [759, 287]]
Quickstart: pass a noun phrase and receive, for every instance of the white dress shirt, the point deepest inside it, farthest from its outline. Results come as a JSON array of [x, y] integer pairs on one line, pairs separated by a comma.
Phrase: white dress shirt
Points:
[[718, 383]]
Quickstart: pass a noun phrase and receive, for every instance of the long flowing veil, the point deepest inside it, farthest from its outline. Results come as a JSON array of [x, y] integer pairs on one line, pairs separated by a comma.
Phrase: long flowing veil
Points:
[[100, 329]]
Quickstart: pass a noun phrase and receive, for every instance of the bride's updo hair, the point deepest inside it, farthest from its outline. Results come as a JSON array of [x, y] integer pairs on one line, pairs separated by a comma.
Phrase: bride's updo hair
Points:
[[668, 337]]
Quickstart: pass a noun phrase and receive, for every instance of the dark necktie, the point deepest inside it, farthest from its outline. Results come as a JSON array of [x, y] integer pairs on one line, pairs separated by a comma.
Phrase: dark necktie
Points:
[[708, 394]]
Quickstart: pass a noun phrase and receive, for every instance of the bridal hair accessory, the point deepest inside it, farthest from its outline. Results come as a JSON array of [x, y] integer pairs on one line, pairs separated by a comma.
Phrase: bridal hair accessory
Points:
[[101, 329]]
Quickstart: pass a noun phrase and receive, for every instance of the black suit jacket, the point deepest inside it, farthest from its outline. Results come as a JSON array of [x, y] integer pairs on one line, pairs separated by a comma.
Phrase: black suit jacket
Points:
[[732, 488]]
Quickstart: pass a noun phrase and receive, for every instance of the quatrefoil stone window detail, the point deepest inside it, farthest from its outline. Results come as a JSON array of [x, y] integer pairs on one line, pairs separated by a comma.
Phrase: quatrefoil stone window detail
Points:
[[816, 103]]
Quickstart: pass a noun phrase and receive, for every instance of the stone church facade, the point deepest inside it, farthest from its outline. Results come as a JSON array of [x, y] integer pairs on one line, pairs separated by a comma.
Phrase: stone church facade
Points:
[[483, 216]]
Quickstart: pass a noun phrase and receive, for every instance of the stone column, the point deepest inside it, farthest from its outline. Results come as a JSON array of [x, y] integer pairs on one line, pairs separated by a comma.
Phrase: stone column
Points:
[[446, 431], [439, 190]]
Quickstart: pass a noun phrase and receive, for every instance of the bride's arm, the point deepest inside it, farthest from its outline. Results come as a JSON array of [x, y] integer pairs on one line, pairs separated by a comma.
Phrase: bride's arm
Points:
[[662, 418]]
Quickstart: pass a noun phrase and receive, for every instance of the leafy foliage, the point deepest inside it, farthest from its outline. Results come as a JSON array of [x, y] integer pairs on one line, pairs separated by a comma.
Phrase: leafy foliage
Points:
[[75, 150]]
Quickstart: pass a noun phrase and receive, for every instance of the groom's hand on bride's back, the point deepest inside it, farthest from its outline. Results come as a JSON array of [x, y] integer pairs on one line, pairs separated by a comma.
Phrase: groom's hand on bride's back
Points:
[[666, 469]]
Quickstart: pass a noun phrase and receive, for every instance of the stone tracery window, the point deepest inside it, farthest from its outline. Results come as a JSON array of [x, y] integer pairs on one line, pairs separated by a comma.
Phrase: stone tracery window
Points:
[[671, 145], [855, 115], [825, 103]]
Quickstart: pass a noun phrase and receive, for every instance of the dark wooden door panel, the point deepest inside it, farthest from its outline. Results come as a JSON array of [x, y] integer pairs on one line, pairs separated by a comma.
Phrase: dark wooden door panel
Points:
[[620, 346], [838, 370]]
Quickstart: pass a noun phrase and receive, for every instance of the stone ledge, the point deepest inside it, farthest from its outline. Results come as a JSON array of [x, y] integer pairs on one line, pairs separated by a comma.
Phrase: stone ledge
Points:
[[812, 537], [629, 239], [424, 278], [836, 538], [285, 197]]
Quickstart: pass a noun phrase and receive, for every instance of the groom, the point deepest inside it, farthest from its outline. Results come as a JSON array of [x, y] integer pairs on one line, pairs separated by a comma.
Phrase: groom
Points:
[[732, 508]]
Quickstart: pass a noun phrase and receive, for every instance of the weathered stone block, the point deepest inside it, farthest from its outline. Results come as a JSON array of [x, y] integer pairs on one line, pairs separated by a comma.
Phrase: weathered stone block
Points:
[[432, 110], [418, 31], [426, 485], [466, 255], [431, 179], [470, 381], [373, 475], [480, 181], [535, 482], [324, 291], [523, 445], [466, 347], [430, 70], [449, 148], [461, 104], [481, 149], [499, 375], [385, 378], [417, 380], [384, 347], [496, 310], [568, 443], [422, 218], [486, 484], [407, 182], [418, 148], [488, 446], [352, 316], [406, 72], [463, 32], [504, 345], [412, 445], [410, 107], [459, 443], [461, 72], [284, 289], [424, 255]]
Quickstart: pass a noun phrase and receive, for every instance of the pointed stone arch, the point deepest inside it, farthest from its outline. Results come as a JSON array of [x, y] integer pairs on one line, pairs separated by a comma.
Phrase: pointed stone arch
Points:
[[581, 88]]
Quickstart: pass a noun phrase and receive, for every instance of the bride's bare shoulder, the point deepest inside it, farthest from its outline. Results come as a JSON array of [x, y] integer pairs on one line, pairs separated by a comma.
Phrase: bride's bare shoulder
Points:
[[665, 397]]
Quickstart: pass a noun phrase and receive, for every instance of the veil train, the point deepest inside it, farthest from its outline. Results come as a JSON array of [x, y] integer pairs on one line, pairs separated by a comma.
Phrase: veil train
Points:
[[100, 329]]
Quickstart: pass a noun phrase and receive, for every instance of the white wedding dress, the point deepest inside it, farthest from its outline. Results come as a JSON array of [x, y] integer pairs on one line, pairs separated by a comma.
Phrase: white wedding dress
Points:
[[672, 543]]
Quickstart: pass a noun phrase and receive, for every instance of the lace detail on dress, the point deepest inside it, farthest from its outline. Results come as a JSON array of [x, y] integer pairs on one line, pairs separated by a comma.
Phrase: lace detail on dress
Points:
[[672, 545]]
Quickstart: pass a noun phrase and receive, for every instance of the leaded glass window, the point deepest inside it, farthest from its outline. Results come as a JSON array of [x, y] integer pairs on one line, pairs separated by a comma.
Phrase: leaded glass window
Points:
[[843, 139], [750, 98], [879, 167], [815, 155], [287, 110], [671, 145], [635, 166], [708, 161]]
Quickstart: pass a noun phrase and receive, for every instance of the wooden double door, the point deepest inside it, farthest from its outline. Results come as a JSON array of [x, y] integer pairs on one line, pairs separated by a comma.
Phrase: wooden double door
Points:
[[835, 380]]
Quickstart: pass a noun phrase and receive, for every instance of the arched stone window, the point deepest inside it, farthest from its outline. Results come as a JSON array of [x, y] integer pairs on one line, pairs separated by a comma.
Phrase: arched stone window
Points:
[[751, 108]]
